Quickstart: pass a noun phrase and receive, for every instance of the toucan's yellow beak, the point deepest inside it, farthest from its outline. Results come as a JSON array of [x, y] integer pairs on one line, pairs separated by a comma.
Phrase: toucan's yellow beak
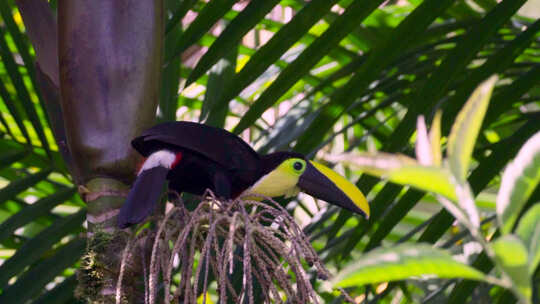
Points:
[[323, 183]]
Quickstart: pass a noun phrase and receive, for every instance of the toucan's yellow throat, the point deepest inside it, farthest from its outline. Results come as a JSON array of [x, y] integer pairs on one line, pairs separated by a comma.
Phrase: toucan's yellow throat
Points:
[[296, 174], [282, 181]]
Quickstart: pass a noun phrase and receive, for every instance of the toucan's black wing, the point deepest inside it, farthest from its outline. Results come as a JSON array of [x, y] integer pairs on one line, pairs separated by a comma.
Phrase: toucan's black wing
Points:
[[143, 197], [216, 144]]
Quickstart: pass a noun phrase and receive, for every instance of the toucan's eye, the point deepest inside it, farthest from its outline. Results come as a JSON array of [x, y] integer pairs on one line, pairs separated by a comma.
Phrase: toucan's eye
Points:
[[298, 166]]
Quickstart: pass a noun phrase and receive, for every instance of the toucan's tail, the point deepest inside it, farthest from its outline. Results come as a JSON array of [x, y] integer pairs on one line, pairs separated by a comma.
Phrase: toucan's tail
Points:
[[143, 196]]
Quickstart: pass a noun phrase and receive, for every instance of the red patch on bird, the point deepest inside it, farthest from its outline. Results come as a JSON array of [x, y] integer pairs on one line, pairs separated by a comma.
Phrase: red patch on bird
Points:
[[139, 165], [177, 159]]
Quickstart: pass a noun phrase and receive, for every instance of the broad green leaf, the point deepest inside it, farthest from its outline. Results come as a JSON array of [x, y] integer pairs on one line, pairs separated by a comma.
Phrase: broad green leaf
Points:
[[34, 248], [430, 179], [403, 170], [512, 256], [488, 168], [34, 280], [519, 180], [528, 230], [466, 128], [401, 262], [232, 35]]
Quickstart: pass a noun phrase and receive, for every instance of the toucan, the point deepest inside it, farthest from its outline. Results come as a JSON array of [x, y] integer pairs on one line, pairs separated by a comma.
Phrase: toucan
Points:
[[194, 157]]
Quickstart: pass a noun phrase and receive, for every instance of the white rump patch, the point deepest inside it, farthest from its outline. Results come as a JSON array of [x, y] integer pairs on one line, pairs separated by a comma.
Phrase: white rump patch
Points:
[[161, 158]]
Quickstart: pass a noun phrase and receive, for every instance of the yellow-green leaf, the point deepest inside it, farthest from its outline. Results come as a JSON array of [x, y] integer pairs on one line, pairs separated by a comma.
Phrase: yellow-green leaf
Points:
[[402, 262], [528, 231], [519, 180], [466, 127], [512, 257]]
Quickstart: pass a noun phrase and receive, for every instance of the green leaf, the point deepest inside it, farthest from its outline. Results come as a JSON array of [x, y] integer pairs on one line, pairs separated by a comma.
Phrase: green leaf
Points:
[[232, 35], [463, 289], [381, 56], [518, 182], [33, 249], [18, 39], [528, 230], [35, 279], [452, 67], [34, 211], [10, 157], [404, 261], [210, 14], [23, 93], [501, 60], [15, 187], [14, 111], [179, 13], [168, 100], [280, 42], [430, 179], [512, 256], [466, 128], [353, 16], [61, 293], [403, 170], [214, 109]]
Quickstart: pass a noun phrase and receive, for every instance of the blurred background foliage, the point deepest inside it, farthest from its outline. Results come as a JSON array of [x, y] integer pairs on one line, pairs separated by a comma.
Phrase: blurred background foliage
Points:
[[320, 77]]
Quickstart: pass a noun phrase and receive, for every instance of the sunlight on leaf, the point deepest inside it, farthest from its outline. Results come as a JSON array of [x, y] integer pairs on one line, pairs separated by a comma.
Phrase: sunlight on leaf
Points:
[[466, 127], [529, 232], [425, 178], [519, 180], [511, 255], [402, 170], [401, 262]]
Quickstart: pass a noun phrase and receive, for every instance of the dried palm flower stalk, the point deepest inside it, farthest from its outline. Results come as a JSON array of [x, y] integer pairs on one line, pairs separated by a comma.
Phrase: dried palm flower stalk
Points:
[[253, 250]]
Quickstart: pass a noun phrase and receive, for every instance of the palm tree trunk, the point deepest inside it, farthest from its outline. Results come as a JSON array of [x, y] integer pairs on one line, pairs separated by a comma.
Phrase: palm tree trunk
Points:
[[110, 55]]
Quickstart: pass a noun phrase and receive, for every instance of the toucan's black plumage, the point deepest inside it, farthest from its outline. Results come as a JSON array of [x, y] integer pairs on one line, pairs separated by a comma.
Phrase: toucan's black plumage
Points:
[[195, 157]]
